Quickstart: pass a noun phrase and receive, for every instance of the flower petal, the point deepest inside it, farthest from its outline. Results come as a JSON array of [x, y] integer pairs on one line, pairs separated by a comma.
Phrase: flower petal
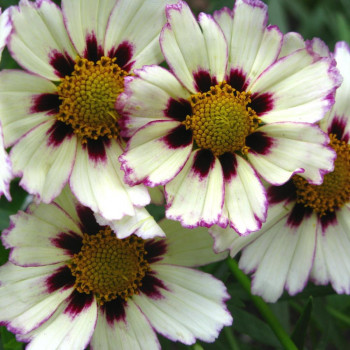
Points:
[[332, 262], [128, 26], [147, 96], [281, 257], [142, 224], [191, 307], [39, 36], [195, 196], [111, 198], [43, 163], [291, 81], [245, 199], [5, 29], [5, 170], [156, 153], [185, 60], [86, 22], [291, 42], [134, 332], [44, 226], [188, 247], [18, 118], [293, 148]]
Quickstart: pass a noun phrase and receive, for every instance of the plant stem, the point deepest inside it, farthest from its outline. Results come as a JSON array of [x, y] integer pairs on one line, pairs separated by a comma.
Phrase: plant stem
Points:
[[263, 308], [231, 338]]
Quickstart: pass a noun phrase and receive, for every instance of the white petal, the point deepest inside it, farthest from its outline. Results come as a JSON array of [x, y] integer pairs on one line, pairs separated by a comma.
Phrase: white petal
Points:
[[141, 224], [146, 97], [332, 263], [291, 82], [245, 200], [65, 329], [224, 17], [5, 170], [18, 118], [248, 28], [134, 332], [149, 159], [188, 247], [111, 197], [137, 23], [192, 306], [295, 148], [25, 301], [85, 19], [32, 235], [184, 59], [194, 198], [281, 257], [291, 42], [38, 35], [44, 166], [5, 29]]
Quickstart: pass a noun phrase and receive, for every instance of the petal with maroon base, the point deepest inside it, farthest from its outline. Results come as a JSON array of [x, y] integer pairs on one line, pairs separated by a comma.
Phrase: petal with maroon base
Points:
[[195, 197]]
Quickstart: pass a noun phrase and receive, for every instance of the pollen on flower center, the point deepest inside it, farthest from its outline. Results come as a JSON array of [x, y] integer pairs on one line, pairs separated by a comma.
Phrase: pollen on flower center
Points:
[[221, 120], [88, 96], [109, 267], [334, 192]]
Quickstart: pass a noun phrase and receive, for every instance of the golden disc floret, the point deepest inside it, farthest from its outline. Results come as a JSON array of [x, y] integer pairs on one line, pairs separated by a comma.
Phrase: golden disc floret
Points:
[[334, 192], [88, 96], [221, 119], [109, 267]]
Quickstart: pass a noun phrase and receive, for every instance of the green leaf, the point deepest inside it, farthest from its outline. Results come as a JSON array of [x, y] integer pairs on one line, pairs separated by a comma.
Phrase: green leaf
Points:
[[300, 329], [8, 340]]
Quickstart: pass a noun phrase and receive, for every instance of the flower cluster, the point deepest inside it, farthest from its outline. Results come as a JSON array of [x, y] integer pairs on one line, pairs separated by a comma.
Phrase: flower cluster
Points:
[[245, 137]]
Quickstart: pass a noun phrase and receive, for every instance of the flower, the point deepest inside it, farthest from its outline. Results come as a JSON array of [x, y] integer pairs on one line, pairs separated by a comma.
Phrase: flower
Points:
[[5, 169], [58, 136], [307, 232], [237, 105], [71, 282]]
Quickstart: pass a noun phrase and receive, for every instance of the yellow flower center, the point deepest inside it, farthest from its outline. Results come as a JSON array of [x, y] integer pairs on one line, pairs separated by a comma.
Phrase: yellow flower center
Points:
[[221, 120], [88, 96], [109, 267], [334, 192]]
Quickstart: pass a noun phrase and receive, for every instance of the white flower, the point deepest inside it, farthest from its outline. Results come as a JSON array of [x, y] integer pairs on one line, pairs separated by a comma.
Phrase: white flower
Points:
[[58, 115], [71, 282], [237, 105], [307, 232]]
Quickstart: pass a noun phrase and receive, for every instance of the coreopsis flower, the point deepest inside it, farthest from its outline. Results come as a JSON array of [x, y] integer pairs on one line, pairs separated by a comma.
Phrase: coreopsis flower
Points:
[[58, 115], [235, 107], [5, 163], [71, 282], [307, 232]]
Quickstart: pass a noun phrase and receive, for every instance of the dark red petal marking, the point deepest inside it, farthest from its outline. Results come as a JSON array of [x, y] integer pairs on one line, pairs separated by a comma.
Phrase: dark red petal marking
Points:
[[204, 160], [58, 132], [62, 278], [285, 192], [70, 242], [229, 165], [178, 137], [63, 63], [96, 149], [237, 79], [178, 109], [330, 218], [88, 222], [49, 103], [93, 52], [297, 215], [151, 286], [259, 142], [155, 250], [203, 81], [123, 54], [77, 303], [337, 128], [114, 311], [261, 103]]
